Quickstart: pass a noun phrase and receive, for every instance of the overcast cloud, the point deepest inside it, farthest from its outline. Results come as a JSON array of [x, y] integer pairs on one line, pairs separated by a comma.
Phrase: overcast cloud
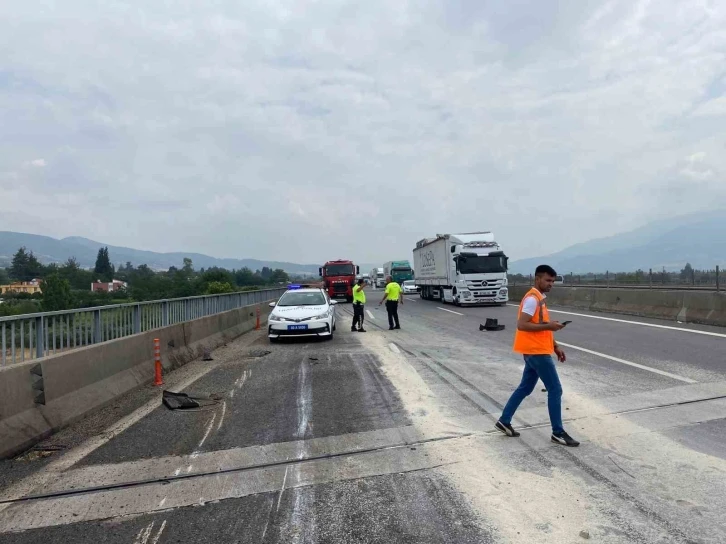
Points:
[[306, 130]]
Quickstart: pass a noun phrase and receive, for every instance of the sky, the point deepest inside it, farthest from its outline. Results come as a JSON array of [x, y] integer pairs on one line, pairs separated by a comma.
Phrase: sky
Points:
[[304, 131]]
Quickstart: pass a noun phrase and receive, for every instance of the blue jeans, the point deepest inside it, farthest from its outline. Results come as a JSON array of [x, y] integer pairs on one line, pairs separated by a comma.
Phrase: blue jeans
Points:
[[538, 367]]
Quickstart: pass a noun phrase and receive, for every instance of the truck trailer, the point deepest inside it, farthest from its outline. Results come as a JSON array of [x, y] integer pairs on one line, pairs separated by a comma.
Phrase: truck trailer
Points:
[[461, 269], [400, 271]]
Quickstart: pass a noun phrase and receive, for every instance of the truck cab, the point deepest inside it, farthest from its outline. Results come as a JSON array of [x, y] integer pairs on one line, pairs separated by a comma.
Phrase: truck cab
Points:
[[339, 278], [400, 271], [378, 279], [480, 272], [463, 269]]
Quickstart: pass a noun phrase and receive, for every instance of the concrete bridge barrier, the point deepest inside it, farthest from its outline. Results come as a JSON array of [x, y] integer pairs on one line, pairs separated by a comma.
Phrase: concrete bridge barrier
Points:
[[704, 307], [82, 380]]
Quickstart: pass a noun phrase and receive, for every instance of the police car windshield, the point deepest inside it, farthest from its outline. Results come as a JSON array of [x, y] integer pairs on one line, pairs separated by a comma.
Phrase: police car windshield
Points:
[[302, 298]]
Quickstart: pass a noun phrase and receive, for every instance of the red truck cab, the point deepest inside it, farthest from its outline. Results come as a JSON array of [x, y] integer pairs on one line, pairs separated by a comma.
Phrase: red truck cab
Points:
[[339, 278]]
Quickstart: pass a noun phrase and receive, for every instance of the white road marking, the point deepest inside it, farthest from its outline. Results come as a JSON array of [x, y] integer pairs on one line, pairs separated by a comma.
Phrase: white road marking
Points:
[[394, 348], [630, 363], [450, 311], [209, 429], [224, 411], [653, 325], [279, 499], [370, 314], [158, 535]]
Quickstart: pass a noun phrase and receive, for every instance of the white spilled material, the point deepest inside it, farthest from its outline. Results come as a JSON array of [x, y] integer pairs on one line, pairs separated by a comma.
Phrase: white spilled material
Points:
[[158, 535], [394, 348], [209, 429], [629, 363]]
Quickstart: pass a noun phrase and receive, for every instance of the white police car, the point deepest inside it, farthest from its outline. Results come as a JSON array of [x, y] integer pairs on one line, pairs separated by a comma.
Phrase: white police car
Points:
[[302, 312]]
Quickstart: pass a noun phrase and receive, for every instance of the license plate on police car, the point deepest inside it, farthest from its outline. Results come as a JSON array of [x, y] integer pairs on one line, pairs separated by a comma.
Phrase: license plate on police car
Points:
[[297, 327]]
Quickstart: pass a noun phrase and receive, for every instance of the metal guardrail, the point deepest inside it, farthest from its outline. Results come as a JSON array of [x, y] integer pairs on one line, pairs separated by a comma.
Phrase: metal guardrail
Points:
[[34, 336], [643, 286], [659, 286]]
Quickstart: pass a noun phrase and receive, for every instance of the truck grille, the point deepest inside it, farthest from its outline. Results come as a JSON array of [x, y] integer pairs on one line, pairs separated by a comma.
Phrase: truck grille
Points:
[[484, 284], [340, 288]]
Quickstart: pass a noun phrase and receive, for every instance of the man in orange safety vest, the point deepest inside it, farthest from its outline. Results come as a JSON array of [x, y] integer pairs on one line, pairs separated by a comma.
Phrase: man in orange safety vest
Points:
[[535, 340]]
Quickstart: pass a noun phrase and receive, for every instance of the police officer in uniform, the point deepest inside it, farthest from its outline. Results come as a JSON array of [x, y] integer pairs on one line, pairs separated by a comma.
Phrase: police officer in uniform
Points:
[[392, 298], [359, 301]]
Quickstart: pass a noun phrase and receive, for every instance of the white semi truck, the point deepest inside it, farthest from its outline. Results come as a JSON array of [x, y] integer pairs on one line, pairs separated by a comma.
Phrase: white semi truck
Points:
[[462, 269], [377, 277]]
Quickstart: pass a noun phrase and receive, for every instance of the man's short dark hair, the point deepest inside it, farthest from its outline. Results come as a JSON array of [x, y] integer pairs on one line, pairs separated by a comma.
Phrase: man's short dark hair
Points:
[[545, 270], [361, 281]]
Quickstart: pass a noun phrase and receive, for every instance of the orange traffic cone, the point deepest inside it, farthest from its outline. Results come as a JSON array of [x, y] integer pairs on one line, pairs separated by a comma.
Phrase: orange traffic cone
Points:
[[158, 380]]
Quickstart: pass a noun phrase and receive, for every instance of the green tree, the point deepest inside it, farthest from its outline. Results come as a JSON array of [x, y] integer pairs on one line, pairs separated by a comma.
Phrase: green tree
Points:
[[244, 277], [687, 273], [279, 276], [56, 293], [218, 288], [25, 266], [104, 269], [188, 267], [4, 277], [218, 274], [79, 278]]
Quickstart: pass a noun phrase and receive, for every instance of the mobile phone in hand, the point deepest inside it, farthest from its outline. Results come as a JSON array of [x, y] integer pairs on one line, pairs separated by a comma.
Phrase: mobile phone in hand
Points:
[[565, 323]]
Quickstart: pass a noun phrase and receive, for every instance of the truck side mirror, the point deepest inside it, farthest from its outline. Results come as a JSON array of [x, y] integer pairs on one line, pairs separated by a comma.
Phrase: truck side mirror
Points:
[[320, 271], [357, 269]]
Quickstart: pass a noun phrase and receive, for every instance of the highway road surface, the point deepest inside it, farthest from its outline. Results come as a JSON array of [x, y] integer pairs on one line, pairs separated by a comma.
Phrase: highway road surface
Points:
[[387, 437]]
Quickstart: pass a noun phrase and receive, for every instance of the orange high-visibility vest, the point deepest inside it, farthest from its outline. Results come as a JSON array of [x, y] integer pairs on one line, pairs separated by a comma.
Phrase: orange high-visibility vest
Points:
[[535, 343]]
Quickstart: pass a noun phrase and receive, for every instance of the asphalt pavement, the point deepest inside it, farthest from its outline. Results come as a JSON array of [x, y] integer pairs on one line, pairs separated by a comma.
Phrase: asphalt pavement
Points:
[[387, 436]]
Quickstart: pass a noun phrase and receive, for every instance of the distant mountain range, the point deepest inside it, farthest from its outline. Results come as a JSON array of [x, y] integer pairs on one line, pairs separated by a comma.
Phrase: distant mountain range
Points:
[[699, 239], [50, 250]]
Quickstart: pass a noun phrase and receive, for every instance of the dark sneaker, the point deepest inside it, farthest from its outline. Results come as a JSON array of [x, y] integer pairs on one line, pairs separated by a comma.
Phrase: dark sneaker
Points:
[[398, 327], [564, 439], [390, 328], [353, 329], [362, 330], [506, 428]]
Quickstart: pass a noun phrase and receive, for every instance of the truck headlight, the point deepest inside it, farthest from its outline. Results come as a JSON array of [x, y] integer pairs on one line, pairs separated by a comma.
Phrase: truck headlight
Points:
[[506, 282]]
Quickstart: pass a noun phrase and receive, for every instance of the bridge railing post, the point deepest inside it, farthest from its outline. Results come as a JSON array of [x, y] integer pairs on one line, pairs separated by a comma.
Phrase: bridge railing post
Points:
[[97, 338]]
